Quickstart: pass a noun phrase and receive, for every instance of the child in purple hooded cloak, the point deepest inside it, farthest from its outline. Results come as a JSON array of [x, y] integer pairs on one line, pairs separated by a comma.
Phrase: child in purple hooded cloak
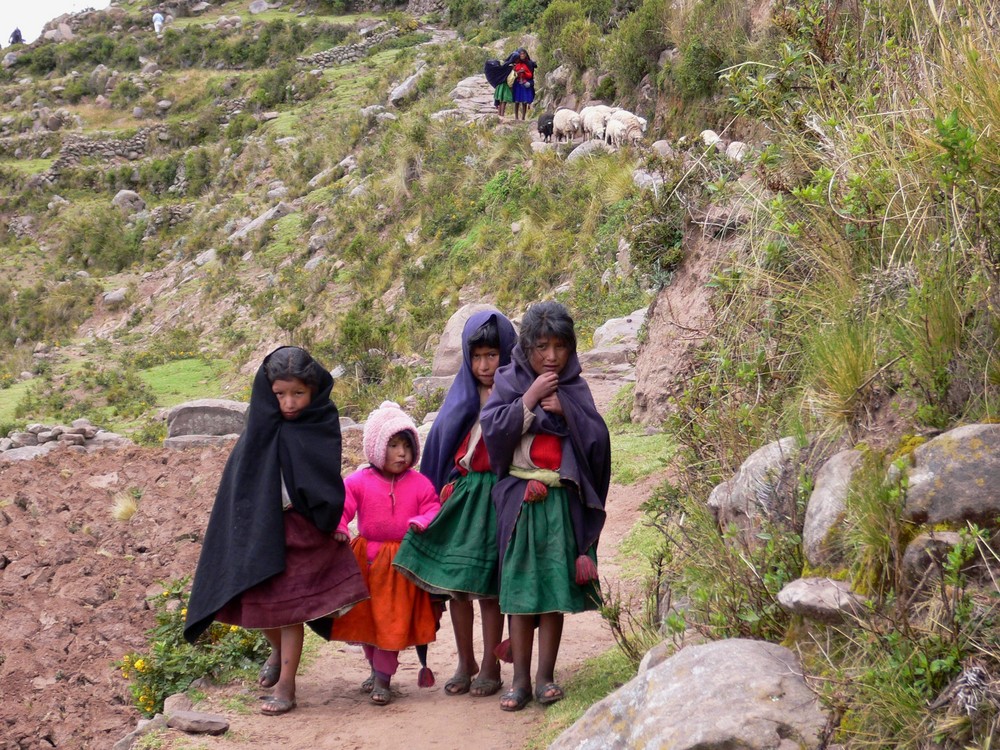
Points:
[[457, 555], [551, 451]]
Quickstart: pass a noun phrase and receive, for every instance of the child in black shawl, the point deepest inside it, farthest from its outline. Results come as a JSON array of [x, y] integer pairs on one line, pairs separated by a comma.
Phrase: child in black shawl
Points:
[[269, 560], [551, 451]]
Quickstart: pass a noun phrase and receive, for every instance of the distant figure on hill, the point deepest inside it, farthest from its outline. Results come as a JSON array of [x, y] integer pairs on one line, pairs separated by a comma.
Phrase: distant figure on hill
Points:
[[15, 37], [524, 84], [157, 22]]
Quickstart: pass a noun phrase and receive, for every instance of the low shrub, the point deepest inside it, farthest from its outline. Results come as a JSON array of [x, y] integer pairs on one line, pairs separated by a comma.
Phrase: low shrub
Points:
[[171, 664]]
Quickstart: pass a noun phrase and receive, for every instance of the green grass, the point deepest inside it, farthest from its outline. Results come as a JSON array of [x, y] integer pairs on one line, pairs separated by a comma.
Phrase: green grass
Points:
[[640, 545], [28, 166], [9, 398], [597, 678], [286, 239], [635, 455], [185, 379]]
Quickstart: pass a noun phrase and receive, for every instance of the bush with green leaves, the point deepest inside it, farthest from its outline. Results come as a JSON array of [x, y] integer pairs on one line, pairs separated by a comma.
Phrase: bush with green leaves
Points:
[[566, 35], [98, 236], [635, 46], [518, 14], [170, 664]]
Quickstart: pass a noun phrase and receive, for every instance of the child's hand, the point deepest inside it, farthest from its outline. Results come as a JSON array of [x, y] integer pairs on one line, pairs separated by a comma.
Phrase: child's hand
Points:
[[552, 404], [340, 536], [544, 385], [416, 528]]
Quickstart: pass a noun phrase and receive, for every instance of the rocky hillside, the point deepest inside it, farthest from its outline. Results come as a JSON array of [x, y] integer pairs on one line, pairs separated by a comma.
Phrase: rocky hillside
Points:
[[819, 269]]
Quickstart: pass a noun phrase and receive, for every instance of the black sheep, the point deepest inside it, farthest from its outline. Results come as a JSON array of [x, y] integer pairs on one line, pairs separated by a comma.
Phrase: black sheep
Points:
[[545, 126]]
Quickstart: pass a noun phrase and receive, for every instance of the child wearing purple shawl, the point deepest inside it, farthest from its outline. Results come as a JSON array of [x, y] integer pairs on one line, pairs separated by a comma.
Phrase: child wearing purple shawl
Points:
[[552, 454], [457, 555]]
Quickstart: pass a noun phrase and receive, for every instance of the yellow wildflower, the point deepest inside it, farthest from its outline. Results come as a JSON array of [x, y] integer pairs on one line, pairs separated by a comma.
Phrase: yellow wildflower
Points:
[[140, 665]]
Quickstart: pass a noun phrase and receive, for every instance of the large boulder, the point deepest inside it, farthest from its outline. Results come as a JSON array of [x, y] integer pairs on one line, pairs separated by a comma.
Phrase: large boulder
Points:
[[826, 507], [760, 488], [408, 89], [620, 330], [822, 599], [129, 202], [727, 694], [448, 355], [207, 416], [955, 478]]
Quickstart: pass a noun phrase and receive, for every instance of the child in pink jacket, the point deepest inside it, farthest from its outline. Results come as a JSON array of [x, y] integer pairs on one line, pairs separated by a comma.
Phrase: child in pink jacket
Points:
[[390, 499]]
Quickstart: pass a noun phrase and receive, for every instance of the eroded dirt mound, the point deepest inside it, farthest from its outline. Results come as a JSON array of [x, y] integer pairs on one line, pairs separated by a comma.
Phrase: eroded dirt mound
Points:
[[74, 581]]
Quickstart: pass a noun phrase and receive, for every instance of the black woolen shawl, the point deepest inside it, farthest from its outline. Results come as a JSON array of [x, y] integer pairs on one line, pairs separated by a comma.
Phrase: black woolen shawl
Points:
[[586, 469], [245, 539], [461, 406], [496, 72]]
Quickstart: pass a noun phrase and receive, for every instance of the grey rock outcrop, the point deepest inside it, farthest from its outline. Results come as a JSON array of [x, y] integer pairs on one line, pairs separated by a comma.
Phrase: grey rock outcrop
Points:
[[589, 148], [616, 342], [407, 90], [726, 694], [207, 416], [955, 477], [273, 213]]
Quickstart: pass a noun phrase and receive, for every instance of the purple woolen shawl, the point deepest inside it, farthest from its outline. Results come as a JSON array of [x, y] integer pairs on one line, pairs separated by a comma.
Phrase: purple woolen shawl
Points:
[[461, 406], [585, 470]]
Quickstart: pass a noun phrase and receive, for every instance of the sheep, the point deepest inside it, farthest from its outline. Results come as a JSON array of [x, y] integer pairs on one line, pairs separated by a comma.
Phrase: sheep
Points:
[[624, 127], [545, 127], [567, 123], [630, 118], [614, 132], [594, 118]]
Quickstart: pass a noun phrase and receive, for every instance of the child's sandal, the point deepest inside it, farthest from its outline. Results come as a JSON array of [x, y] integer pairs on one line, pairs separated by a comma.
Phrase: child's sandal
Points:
[[368, 685], [381, 696]]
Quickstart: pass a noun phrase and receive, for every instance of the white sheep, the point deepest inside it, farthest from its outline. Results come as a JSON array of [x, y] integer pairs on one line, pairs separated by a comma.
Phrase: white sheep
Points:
[[614, 132], [630, 118], [566, 123], [594, 118]]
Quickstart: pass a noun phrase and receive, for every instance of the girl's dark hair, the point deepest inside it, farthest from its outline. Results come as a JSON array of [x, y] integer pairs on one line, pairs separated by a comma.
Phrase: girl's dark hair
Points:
[[409, 439], [486, 335], [547, 320], [292, 362]]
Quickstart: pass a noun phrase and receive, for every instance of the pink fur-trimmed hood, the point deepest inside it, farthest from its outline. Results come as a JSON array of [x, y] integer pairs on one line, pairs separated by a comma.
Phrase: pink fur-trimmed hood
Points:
[[388, 420]]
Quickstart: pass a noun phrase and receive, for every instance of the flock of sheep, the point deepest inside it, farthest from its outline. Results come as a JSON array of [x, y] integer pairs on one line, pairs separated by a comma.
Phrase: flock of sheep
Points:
[[614, 125]]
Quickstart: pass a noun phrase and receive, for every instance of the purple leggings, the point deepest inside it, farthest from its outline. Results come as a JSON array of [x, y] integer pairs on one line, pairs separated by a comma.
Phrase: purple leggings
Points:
[[383, 662]]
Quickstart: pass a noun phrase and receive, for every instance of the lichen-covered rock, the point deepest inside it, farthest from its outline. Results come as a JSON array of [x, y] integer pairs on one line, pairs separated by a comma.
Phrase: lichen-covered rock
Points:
[[727, 694], [955, 478]]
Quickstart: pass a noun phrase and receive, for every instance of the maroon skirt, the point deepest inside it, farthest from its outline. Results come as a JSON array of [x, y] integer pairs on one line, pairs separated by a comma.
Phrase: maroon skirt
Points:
[[321, 579]]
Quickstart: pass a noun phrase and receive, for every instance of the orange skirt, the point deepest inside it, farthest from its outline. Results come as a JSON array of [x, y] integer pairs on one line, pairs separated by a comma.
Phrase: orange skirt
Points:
[[397, 615]]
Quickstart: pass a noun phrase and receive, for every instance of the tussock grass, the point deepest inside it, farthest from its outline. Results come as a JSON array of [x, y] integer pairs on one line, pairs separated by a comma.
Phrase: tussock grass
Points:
[[124, 505]]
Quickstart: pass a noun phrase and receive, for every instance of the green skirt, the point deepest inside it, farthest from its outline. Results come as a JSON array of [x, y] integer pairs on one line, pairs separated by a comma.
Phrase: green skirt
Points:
[[457, 554], [503, 93], [539, 566]]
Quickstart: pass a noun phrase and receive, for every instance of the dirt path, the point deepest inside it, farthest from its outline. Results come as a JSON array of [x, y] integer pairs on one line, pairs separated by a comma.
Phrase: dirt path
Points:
[[332, 713]]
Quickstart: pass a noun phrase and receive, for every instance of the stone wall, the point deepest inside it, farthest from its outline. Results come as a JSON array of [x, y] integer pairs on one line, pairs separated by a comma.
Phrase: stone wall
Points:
[[347, 53]]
